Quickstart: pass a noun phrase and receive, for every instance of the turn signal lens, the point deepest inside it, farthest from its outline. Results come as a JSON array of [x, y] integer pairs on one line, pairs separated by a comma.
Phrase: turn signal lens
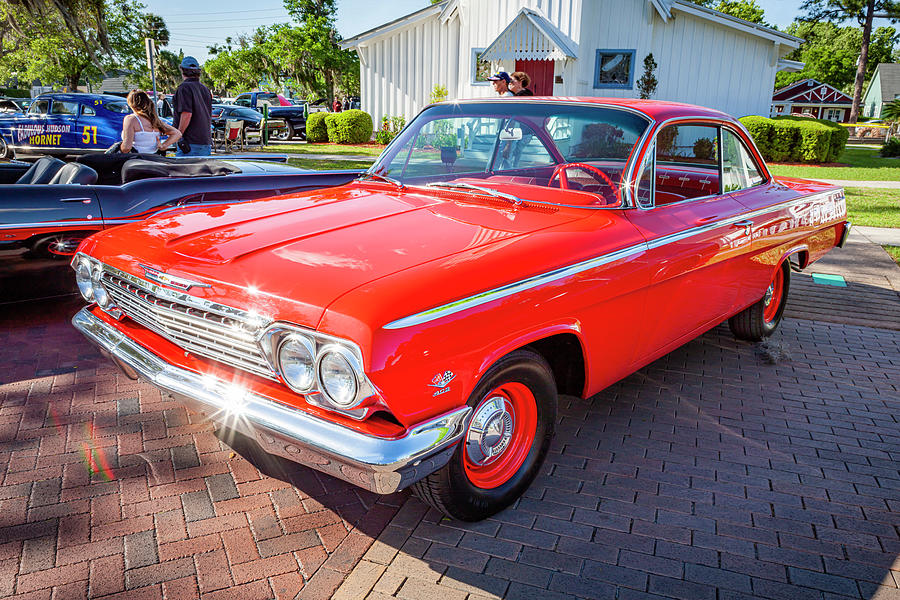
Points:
[[338, 379], [296, 362]]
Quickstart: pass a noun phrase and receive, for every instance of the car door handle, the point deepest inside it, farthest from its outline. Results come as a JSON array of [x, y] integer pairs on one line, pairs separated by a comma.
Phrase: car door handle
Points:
[[82, 200], [747, 225]]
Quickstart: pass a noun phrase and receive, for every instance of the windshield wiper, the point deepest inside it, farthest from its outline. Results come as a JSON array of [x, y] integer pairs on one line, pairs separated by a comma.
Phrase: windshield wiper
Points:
[[380, 177], [468, 186]]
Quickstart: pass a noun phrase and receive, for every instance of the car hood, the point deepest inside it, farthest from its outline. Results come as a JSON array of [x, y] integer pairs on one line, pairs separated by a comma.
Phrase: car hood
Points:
[[291, 256]]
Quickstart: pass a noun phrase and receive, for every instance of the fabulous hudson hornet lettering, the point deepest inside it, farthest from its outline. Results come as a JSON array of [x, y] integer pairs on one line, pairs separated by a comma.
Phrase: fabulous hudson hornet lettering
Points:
[[414, 328]]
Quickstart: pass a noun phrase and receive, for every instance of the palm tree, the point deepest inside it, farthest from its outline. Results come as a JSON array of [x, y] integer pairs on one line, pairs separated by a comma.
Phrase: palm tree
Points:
[[891, 113]]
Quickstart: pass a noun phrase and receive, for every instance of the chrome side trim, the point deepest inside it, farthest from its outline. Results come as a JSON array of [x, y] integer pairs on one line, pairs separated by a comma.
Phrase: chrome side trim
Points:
[[95, 223], [382, 465], [561, 273], [514, 288]]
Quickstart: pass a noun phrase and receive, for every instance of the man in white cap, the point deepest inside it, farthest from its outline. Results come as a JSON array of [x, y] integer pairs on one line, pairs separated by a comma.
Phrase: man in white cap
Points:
[[192, 104], [501, 83]]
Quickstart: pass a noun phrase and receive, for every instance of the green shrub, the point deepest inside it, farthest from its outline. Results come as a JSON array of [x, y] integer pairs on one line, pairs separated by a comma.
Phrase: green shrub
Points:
[[15, 93], [316, 130], [798, 139], [331, 126], [350, 127], [390, 127], [891, 148]]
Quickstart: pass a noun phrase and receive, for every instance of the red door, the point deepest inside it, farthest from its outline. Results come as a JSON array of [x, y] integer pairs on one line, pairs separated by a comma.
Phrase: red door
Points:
[[541, 74]]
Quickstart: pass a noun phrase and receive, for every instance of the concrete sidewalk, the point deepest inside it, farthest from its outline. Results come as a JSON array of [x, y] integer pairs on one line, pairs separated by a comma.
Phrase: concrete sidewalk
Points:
[[883, 236]]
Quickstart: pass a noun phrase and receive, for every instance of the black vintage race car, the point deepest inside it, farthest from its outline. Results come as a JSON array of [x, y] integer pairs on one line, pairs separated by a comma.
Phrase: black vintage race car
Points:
[[51, 206]]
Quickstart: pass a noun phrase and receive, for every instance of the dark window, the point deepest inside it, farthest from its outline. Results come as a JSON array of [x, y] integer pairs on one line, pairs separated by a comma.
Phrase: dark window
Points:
[[39, 107], [614, 69], [64, 108]]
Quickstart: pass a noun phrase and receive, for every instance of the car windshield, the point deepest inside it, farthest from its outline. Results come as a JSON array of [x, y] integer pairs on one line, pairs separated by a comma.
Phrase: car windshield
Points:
[[516, 142]]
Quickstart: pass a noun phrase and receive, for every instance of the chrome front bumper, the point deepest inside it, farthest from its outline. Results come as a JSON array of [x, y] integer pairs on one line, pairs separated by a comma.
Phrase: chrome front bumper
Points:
[[377, 464]]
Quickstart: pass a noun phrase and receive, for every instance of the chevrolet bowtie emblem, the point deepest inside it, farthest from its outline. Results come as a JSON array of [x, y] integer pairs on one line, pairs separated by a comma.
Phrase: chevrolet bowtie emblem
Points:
[[162, 278]]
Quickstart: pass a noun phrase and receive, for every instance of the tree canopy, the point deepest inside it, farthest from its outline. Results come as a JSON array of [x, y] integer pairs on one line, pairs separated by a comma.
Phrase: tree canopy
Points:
[[747, 10]]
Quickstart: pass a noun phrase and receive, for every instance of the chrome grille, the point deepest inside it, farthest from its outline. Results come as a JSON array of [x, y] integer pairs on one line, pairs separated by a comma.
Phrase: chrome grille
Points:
[[205, 333]]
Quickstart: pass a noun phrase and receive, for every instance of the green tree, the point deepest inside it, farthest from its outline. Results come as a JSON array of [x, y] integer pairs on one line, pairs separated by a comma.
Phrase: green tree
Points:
[[863, 12], [647, 83], [747, 10], [830, 53]]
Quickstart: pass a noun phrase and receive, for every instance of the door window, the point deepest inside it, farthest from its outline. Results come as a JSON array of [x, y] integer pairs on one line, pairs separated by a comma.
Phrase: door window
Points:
[[687, 162], [64, 108], [39, 107], [739, 170]]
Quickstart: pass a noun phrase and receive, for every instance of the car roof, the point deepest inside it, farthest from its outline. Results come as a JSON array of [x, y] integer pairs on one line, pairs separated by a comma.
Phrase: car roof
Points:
[[657, 110], [79, 97]]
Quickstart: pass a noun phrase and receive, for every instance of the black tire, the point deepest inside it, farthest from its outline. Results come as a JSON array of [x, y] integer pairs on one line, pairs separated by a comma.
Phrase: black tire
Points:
[[751, 323], [450, 490], [288, 135], [5, 151]]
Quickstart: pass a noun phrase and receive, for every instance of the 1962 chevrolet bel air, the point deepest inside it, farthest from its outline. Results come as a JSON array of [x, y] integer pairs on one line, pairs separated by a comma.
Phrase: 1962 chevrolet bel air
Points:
[[414, 328]]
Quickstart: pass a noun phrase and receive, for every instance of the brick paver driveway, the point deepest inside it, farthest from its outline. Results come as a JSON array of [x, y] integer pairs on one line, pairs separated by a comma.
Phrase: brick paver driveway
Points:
[[723, 471]]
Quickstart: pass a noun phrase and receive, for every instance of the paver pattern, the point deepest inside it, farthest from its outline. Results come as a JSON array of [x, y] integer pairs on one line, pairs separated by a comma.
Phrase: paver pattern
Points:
[[724, 470]]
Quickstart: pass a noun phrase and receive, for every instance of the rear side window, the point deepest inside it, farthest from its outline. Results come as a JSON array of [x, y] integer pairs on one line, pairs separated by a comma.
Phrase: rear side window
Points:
[[687, 163], [739, 169], [87, 111], [117, 107]]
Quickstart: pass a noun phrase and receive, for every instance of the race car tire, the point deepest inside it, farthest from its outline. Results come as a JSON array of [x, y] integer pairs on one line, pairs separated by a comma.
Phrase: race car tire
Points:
[[5, 150]]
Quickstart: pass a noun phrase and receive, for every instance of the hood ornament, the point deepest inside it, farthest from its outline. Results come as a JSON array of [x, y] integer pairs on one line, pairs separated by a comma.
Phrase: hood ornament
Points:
[[162, 278]]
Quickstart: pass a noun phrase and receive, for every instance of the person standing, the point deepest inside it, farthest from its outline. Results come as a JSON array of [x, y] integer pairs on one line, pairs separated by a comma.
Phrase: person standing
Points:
[[192, 105], [518, 83], [141, 130], [501, 83]]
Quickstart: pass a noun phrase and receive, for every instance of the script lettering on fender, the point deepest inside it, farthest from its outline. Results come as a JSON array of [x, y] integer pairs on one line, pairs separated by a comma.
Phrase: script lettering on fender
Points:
[[814, 211], [41, 134]]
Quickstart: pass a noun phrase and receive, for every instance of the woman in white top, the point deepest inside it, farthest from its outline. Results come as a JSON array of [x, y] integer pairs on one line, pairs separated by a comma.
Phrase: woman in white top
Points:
[[142, 129]]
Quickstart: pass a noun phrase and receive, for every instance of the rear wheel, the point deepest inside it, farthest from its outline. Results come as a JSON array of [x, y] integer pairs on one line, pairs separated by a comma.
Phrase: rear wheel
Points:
[[761, 320], [506, 440], [286, 134]]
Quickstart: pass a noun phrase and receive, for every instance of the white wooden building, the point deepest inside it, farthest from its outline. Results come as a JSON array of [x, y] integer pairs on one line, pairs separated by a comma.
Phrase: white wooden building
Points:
[[570, 48]]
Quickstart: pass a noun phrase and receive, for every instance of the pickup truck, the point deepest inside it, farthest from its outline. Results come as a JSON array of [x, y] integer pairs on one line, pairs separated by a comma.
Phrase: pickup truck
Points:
[[294, 116]]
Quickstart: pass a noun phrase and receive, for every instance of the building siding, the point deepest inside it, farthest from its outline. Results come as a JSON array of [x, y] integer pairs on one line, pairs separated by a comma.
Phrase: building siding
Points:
[[700, 61]]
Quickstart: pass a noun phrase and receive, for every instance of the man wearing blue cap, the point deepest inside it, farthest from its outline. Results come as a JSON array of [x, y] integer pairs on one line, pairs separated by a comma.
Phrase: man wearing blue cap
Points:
[[501, 83], [192, 105]]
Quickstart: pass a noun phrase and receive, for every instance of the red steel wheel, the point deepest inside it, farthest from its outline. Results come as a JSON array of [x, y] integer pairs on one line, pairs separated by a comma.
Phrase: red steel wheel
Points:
[[500, 435], [772, 299], [505, 442]]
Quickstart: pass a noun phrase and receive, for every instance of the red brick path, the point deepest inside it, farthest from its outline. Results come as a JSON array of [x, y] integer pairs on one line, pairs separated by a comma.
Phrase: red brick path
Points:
[[110, 490]]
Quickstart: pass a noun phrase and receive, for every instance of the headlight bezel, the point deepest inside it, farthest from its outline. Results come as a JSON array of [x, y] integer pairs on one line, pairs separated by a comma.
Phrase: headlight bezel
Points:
[[353, 365], [89, 288], [366, 399], [85, 283], [310, 346]]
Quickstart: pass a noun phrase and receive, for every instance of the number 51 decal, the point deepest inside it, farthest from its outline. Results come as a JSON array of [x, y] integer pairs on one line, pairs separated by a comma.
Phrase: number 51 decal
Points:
[[86, 135]]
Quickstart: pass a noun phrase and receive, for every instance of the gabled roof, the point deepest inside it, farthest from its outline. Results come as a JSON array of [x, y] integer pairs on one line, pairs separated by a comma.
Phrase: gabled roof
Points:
[[447, 8], [890, 80], [813, 91], [530, 36]]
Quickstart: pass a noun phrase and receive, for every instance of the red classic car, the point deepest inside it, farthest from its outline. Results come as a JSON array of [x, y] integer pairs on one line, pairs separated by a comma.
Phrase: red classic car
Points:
[[413, 328]]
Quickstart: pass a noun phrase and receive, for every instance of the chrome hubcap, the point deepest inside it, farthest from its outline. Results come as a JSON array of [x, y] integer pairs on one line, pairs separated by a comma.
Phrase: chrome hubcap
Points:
[[770, 292], [490, 431]]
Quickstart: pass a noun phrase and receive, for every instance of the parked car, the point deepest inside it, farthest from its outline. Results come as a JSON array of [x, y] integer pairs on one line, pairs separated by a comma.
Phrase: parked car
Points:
[[413, 328], [50, 207], [60, 124], [279, 108], [13, 105], [253, 121]]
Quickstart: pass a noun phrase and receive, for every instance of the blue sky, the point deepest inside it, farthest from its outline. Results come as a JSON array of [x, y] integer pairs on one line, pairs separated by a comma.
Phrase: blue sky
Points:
[[194, 25]]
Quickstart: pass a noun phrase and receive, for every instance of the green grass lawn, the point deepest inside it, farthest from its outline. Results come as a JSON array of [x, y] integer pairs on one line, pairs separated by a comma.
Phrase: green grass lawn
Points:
[[372, 151], [873, 207], [894, 251], [325, 164], [865, 165]]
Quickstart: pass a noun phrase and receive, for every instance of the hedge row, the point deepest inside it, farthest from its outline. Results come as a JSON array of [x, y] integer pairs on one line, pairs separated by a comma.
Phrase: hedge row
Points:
[[347, 127], [797, 139]]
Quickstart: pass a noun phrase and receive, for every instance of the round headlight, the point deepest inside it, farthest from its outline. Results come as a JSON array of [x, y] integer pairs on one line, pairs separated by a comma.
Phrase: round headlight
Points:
[[337, 378], [101, 296], [83, 279], [297, 363]]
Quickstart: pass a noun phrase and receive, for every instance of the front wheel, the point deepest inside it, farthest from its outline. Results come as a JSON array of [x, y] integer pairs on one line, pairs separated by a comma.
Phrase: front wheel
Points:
[[5, 150], [761, 320], [505, 442]]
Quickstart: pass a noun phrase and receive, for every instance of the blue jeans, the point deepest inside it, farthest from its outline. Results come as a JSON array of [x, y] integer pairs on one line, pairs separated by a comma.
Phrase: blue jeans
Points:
[[196, 150]]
